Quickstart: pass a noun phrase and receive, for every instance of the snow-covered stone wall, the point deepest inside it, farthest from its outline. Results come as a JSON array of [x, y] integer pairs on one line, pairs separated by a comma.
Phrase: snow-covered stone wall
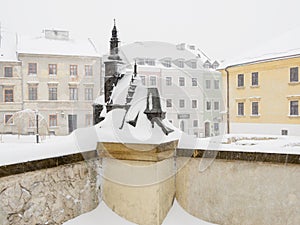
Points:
[[49, 196]]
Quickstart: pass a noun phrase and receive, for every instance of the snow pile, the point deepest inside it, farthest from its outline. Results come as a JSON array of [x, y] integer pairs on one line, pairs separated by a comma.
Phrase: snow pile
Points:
[[104, 215], [251, 143], [101, 215]]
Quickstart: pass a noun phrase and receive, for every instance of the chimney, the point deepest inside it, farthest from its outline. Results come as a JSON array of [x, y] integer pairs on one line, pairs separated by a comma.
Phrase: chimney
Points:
[[57, 34]]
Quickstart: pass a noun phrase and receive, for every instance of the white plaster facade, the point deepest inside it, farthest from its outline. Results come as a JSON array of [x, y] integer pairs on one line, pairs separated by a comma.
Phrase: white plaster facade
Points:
[[180, 72], [56, 65]]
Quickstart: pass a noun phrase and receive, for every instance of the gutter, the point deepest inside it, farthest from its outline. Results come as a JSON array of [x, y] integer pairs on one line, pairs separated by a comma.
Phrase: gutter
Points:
[[227, 99]]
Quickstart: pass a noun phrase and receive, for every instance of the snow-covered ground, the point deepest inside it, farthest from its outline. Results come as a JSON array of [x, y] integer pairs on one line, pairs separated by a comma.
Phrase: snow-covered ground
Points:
[[23, 149], [104, 215]]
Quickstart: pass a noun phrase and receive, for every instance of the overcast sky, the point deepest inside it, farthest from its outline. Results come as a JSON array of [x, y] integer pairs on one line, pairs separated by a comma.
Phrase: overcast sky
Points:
[[221, 28]]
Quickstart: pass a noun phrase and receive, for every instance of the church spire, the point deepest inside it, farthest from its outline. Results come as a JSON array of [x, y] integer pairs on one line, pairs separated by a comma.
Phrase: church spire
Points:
[[114, 42]]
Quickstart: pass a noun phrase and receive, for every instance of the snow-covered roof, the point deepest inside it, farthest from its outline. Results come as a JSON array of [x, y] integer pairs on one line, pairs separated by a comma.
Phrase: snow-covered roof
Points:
[[50, 46], [158, 51], [8, 47], [286, 45]]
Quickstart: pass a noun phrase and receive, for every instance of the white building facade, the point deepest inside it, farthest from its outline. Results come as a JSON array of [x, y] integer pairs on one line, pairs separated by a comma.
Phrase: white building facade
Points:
[[181, 74], [57, 76]]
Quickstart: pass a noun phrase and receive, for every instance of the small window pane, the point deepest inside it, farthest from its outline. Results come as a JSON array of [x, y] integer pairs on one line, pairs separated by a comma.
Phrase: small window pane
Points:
[[240, 108], [294, 74], [181, 81], [181, 103], [194, 82], [8, 72], [88, 70], [52, 69], [255, 79], [241, 80], [32, 68], [294, 108], [254, 108], [168, 81]]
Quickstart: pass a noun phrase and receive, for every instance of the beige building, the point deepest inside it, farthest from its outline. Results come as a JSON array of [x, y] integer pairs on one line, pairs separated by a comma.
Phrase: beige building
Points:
[[57, 76]]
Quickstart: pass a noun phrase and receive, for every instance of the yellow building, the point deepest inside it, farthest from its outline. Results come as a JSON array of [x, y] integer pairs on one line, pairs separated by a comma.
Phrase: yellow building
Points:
[[263, 92]]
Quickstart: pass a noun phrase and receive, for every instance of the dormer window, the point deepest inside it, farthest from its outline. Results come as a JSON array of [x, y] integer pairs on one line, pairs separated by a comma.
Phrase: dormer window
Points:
[[193, 64], [150, 62], [180, 63], [192, 47], [167, 63], [140, 61], [207, 64], [215, 65]]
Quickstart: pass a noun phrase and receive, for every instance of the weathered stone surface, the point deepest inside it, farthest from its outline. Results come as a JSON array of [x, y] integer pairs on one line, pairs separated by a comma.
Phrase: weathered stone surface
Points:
[[49, 196], [143, 198], [239, 192]]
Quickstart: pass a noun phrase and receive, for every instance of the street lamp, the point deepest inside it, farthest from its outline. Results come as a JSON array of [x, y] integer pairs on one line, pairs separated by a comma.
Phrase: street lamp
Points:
[[37, 125]]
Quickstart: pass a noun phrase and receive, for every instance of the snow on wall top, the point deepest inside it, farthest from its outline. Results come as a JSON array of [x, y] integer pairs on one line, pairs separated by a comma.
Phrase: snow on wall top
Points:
[[54, 46], [284, 46], [8, 47]]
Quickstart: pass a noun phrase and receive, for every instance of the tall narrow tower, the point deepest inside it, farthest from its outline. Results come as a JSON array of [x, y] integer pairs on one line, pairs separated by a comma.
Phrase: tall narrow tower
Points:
[[112, 66]]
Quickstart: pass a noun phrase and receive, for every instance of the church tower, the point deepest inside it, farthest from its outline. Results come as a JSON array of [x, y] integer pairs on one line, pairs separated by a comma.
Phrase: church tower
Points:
[[112, 66]]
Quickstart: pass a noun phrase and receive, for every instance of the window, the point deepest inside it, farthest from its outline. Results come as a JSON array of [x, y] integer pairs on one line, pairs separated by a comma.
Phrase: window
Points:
[[294, 74], [8, 95], [195, 123], [216, 105], [73, 93], [53, 93], [8, 72], [8, 119], [241, 80], [169, 103], [150, 62], [181, 103], [241, 109], [52, 69], [32, 92], [194, 104], [181, 81], [194, 65], [88, 70], [207, 84], [217, 84], [294, 108], [255, 108], [52, 120], [180, 64], [208, 105], [284, 132], [194, 82], [143, 80], [216, 127], [152, 80], [88, 94], [32, 68], [140, 61], [88, 120], [168, 81], [73, 70], [167, 63], [254, 80]]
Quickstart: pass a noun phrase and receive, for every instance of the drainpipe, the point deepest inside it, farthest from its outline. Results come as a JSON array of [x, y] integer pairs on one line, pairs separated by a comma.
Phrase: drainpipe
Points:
[[227, 99]]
